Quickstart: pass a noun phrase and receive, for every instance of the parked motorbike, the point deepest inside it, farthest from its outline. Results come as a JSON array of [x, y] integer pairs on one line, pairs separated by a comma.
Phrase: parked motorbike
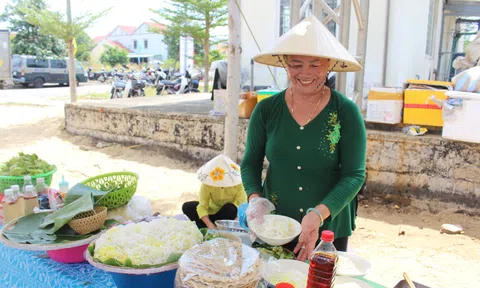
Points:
[[132, 87]]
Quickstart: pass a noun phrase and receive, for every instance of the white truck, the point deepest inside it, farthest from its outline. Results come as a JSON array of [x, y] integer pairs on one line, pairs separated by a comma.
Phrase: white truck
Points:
[[5, 59]]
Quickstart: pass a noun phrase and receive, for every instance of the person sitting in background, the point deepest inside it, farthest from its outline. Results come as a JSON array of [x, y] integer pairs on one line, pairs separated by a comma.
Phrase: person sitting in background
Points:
[[221, 193]]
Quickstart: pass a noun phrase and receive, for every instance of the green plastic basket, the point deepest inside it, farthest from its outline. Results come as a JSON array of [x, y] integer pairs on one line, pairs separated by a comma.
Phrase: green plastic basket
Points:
[[7, 181], [106, 182]]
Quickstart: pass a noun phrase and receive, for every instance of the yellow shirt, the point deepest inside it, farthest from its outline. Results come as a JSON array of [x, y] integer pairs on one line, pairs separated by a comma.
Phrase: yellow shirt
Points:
[[212, 198]]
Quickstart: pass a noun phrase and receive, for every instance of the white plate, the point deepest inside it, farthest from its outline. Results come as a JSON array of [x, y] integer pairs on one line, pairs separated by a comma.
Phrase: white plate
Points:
[[363, 265], [343, 281], [284, 266]]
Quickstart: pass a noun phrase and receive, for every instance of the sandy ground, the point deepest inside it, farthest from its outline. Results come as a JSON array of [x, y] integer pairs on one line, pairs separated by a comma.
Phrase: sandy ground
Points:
[[430, 258]]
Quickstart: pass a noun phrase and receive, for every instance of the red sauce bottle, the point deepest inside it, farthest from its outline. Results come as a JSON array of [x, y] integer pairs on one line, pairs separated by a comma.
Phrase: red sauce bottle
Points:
[[323, 261]]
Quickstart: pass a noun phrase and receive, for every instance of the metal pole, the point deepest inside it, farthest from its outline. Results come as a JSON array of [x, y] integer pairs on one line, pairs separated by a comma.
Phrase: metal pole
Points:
[[233, 80], [294, 12], [345, 10], [72, 80], [317, 9], [363, 8], [385, 54], [252, 81]]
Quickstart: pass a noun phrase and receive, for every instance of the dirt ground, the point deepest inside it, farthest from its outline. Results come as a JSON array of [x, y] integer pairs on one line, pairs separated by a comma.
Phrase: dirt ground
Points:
[[430, 258]]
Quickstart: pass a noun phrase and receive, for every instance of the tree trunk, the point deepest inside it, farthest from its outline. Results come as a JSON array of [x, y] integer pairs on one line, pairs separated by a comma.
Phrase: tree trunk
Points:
[[206, 59], [72, 79]]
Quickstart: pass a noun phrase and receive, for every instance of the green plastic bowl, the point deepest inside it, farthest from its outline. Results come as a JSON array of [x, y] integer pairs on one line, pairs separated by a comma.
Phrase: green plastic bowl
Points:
[[7, 181], [120, 197]]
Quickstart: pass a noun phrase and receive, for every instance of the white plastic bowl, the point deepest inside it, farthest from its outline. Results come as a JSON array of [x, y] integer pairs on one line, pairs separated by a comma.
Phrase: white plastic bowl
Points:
[[284, 266], [277, 241], [363, 265]]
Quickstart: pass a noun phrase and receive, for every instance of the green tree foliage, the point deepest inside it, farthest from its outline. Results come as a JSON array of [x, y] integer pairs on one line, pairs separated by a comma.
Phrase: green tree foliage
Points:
[[114, 56], [197, 19], [28, 39], [84, 46]]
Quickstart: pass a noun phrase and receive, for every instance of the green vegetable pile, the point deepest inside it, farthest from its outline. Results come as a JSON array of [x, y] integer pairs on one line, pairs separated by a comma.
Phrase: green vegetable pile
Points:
[[25, 164], [276, 251]]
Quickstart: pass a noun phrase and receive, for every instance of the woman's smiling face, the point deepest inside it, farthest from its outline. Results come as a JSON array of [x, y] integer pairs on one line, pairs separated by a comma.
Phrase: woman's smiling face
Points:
[[306, 73]]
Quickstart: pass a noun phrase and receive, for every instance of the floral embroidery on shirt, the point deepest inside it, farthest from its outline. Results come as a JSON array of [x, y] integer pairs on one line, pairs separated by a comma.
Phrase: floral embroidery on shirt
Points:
[[333, 131]]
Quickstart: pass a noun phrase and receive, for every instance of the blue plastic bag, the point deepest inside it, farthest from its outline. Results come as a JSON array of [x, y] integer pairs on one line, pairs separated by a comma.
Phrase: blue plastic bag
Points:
[[242, 215]]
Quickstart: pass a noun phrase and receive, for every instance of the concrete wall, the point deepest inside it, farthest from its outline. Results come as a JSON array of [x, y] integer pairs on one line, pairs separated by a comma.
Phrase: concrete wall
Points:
[[426, 166]]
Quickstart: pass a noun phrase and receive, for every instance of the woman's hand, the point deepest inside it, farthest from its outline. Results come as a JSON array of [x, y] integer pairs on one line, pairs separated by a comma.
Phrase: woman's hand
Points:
[[257, 208], [309, 236], [211, 226]]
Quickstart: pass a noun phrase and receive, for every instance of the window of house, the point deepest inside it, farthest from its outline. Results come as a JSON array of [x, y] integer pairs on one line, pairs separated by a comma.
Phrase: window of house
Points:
[[430, 28], [35, 63], [145, 44], [59, 64], [285, 15], [134, 44]]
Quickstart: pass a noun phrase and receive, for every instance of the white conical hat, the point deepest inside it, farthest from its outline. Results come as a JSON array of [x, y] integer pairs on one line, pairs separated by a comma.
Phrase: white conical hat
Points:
[[221, 171], [310, 38]]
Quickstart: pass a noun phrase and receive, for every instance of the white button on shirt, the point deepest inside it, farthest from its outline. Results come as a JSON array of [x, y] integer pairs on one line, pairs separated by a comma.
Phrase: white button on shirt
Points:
[[298, 147], [300, 188], [301, 127], [299, 167]]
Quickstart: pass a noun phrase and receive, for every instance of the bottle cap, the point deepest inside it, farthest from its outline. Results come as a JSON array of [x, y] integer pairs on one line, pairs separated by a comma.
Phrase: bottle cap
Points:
[[328, 236], [40, 180], [29, 188], [8, 192], [25, 178], [284, 285], [15, 188]]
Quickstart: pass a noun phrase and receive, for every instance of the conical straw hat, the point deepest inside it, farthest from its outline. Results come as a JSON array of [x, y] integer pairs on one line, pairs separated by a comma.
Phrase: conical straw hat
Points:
[[221, 171], [310, 38]]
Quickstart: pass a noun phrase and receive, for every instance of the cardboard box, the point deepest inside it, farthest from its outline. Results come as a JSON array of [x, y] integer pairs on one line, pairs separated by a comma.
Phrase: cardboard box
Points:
[[247, 103], [385, 105], [418, 108], [461, 122]]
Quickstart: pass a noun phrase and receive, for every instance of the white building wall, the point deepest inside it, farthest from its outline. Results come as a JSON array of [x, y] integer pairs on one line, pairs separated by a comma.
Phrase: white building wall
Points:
[[125, 40], [407, 41], [263, 18], [156, 46]]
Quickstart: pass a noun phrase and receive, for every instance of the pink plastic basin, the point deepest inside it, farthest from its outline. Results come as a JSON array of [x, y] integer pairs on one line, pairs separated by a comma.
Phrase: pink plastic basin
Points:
[[69, 255]]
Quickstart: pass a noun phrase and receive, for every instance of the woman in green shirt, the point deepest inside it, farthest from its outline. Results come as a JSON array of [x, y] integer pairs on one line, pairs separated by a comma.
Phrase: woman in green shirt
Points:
[[313, 137]]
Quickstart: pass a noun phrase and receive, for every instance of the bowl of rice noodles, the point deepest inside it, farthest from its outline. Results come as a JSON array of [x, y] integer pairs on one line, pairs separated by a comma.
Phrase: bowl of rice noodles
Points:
[[276, 230]]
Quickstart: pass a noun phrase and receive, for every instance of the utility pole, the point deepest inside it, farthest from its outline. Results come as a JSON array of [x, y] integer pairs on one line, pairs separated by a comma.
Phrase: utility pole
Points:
[[72, 79], [233, 80]]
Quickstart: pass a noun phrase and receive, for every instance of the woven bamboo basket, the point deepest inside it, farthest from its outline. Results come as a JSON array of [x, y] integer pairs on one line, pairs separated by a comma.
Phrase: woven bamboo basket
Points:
[[89, 221]]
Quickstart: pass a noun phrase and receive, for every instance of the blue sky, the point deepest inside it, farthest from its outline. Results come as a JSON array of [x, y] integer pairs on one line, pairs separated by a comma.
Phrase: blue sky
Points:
[[129, 13]]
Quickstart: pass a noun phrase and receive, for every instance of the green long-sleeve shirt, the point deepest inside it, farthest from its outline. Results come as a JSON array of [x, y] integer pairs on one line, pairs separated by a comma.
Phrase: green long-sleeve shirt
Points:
[[320, 163]]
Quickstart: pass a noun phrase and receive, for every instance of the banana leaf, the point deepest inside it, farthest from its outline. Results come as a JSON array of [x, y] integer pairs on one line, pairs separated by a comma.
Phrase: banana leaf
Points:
[[79, 190], [27, 231], [63, 215]]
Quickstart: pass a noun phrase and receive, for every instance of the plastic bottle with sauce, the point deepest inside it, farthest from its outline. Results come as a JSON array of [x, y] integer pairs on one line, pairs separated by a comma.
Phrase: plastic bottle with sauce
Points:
[[41, 188], [19, 195], [323, 261], [11, 208], [27, 180], [31, 199]]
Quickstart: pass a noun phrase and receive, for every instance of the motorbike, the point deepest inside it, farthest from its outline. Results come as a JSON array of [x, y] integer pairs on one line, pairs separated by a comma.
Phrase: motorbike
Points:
[[187, 85], [132, 87]]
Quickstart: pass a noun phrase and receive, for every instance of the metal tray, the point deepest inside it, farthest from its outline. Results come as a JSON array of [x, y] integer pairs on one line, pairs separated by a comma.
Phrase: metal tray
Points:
[[229, 225]]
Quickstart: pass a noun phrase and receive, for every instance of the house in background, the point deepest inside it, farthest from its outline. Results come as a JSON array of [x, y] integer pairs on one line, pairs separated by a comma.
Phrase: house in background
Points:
[[406, 39], [141, 43]]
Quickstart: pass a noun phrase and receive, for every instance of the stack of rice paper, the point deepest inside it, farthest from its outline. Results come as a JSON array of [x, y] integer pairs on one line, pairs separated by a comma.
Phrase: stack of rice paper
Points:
[[219, 263]]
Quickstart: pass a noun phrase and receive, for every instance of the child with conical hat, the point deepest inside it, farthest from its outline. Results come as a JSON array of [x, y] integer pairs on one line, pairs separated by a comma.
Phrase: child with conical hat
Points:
[[221, 192]]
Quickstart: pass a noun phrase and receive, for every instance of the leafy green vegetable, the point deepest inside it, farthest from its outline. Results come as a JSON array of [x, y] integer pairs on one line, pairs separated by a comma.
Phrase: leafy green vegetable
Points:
[[276, 251], [62, 216], [25, 164], [79, 190]]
